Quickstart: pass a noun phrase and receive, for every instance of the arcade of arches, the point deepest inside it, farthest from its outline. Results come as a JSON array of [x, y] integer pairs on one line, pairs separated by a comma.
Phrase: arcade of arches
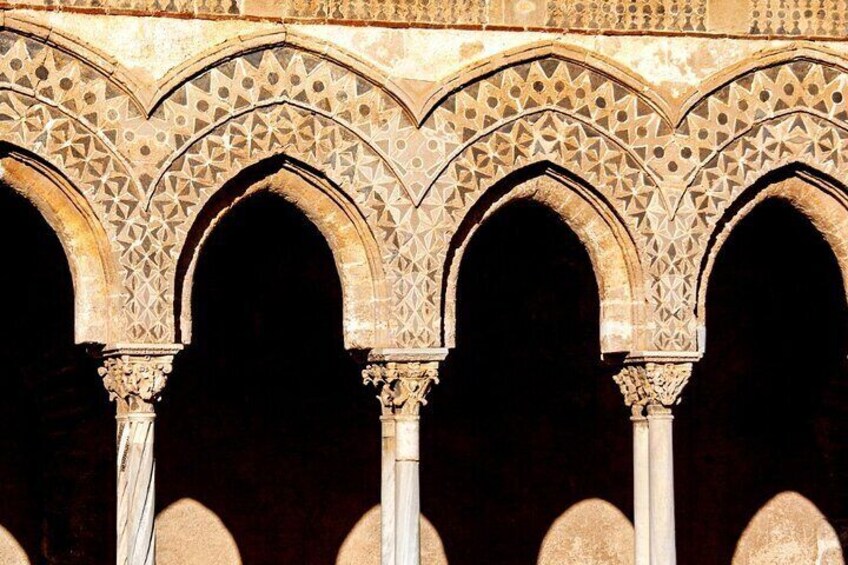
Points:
[[591, 258]]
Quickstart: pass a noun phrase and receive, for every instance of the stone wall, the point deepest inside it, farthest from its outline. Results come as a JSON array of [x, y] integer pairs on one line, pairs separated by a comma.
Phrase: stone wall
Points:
[[770, 18]]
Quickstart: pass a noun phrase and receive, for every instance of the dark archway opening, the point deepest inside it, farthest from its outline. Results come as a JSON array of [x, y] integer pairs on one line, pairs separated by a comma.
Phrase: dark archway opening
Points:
[[265, 420], [56, 424], [766, 410], [526, 421]]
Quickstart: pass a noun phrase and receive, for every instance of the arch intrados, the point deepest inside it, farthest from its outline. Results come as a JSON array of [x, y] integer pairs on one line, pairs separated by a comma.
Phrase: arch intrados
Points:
[[611, 249], [355, 251], [815, 196], [83, 239]]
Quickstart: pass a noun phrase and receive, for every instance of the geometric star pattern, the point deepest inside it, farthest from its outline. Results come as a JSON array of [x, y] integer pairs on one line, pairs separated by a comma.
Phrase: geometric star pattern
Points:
[[149, 166]]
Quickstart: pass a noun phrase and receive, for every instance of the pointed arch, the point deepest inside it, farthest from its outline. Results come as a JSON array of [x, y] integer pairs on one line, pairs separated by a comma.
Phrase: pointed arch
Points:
[[355, 251], [611, 249], [822, 200], [92, 264]]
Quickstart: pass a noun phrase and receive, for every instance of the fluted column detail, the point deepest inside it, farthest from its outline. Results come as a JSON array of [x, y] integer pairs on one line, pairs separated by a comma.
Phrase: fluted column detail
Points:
[[135, 378], [403, 385], [653, 387]]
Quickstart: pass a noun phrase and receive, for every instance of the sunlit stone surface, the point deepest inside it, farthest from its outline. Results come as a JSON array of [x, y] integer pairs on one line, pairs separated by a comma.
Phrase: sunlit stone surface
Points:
[[592, 532], [191, 534], [362, 546], [11, 552], [789, 529]]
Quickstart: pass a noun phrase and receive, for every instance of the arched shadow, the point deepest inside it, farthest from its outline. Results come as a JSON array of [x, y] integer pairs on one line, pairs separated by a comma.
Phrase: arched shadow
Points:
[[11, 552], [526, 421], [362, 544], [189, 533], [266, 420], [788, 529], [765, 410], [591, 532]]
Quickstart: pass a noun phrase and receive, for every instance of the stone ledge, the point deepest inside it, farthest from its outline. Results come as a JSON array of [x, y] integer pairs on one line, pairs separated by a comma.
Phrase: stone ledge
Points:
[[727, 18]]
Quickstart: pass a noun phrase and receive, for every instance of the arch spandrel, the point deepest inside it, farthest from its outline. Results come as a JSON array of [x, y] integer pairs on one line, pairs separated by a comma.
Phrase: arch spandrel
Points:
[[355, 251]]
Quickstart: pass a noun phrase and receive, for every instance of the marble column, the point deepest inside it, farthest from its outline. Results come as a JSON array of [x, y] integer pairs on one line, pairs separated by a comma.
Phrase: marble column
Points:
[[654, 386], [134, 376], [387, 492], [663, 546], [641, 487], [403, 378]]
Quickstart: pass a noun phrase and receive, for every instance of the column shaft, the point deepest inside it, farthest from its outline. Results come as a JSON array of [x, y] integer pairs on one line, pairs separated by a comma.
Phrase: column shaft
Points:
[[641, 489], [407, 495], [663, 549], [134, 376], [387, 492], [136, 489]]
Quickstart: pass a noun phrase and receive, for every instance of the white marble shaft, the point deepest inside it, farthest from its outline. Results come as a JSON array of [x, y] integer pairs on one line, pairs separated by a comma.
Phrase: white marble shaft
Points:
[[407, 495], [641, 489], [136, 489], [387, 492], [663, 548], [134, 377], [403, 379]]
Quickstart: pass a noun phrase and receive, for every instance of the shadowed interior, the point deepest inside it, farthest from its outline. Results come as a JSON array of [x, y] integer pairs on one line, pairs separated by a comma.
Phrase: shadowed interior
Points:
[[56, 425], [266, 421], [766, 410], [526, 421]]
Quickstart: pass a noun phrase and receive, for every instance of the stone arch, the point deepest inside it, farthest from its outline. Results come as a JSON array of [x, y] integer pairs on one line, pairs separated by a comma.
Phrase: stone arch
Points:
[[605, 68], [541, 140], [611, 249], [414, 134], [355, 251], [85, 242], [797, 139], [768, 86], [822, 200], [545, 79]]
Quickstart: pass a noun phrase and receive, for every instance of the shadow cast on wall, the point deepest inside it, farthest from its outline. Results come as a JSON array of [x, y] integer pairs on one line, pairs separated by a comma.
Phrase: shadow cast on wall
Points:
[[189, 533]]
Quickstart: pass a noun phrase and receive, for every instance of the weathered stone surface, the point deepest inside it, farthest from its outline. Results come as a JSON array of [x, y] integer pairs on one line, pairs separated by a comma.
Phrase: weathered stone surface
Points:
[[592, 532], [362, 545], [189, 533], [789, 529], [11, 553], [646, 126]]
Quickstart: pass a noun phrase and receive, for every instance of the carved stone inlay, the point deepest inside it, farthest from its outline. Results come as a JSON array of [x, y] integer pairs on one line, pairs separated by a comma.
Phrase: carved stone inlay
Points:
[[653, 383], [135, 381], [403, 386]]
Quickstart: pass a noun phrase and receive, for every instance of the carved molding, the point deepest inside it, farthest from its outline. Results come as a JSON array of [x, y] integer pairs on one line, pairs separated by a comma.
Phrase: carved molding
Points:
[[135, 382], [402, 386], [653, 383]]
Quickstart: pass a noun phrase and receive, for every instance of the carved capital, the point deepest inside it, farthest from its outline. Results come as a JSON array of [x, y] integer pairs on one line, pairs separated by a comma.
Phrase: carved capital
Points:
[[403, 386], [653, 383], [135, 381]]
